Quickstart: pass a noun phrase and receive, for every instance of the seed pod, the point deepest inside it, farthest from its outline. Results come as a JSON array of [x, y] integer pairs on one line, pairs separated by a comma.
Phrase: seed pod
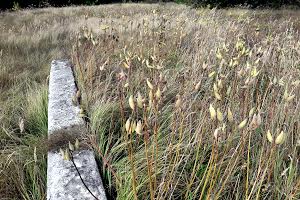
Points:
[[131, 102], [269, 136], [149, 84], [242, 124], [219, 115], [280, 138], [139, 128], [212, 112], [229, 115]]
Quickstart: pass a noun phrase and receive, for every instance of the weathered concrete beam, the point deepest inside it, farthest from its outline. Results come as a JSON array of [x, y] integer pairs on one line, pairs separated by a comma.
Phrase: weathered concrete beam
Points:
[[63, 180]]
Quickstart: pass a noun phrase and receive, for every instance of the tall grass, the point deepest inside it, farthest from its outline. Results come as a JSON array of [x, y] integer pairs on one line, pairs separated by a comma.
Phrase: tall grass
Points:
[[193, 104]]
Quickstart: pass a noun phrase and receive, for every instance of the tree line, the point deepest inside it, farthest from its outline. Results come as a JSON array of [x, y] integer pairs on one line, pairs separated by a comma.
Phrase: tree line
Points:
[[16, 4]]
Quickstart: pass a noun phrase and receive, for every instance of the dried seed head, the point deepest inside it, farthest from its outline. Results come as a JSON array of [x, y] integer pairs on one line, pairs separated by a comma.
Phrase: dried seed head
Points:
[[218, 96], [139, 128], [229, 115], [242, 124], [62, 153], [71, 146], [139, 100], [149, 84], [34, 155], [21, 125], [158, 93], [220, 84], [219, 115], [251, 112], [178, 102], [67, 154], [131, 102], [197, 87], [280, 138], [216, 133], [127, 125], [132, 126], [290, 98], [150, 96], [212, 112], [77, 144], [215, 88], [269, 136]]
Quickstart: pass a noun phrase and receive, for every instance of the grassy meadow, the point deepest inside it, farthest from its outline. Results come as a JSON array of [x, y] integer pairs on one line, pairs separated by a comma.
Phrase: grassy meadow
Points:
[[182, 103]]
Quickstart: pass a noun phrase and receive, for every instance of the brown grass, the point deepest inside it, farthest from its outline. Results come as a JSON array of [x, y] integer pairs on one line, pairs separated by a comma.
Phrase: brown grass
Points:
[[181, 152]]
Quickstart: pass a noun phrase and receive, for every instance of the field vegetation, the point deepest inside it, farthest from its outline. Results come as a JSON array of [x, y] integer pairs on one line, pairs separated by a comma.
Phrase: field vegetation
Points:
[[181, 103]]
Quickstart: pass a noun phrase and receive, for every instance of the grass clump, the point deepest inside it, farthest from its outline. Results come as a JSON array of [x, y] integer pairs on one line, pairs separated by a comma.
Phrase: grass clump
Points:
[[197, 105]]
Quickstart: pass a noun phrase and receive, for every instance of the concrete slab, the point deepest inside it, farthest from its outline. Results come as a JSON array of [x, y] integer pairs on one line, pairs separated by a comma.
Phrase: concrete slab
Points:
[[63, 180]]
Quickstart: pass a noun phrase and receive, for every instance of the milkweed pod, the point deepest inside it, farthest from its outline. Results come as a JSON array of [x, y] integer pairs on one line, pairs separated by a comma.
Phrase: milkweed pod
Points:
[[280, 138], [219, 115], [212, 112], [139, 128], [139, 100], [229, 115], [131, 102], [127, 125], [242, 124], [269, 136], [149, 84]]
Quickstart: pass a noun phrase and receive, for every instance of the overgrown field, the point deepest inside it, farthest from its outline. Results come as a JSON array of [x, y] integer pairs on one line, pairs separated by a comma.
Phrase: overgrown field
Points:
[[181, 103]]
